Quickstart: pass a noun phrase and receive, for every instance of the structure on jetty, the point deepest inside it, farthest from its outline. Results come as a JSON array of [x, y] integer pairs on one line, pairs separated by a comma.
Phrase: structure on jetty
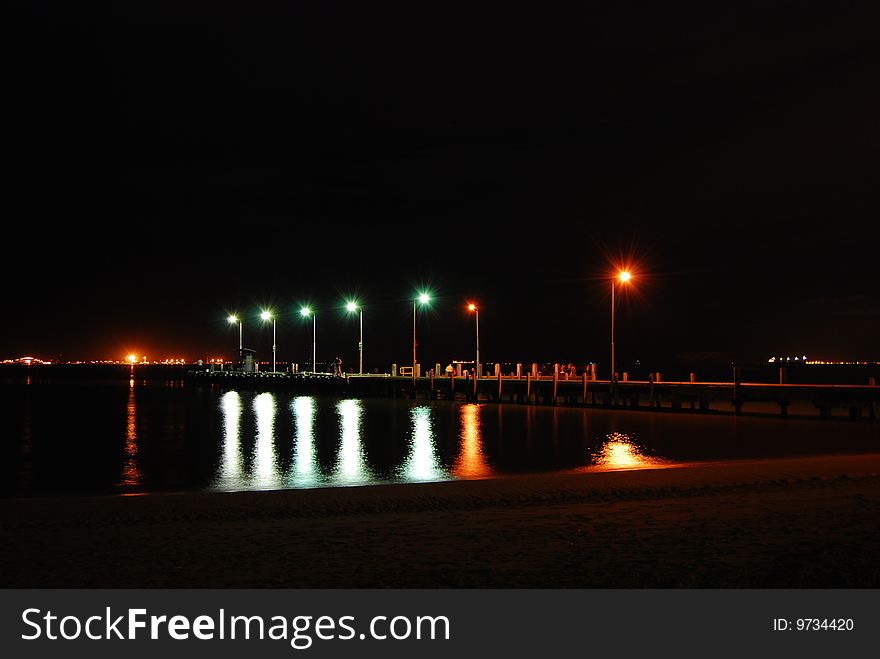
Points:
[[734, 397]]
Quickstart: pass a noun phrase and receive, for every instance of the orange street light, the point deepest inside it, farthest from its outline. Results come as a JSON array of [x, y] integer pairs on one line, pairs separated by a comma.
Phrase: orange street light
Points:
[[477, 369], [624, 276]]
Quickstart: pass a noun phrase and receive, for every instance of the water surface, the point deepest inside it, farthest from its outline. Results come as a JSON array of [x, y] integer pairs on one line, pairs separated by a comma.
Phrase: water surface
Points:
[[142, 436]]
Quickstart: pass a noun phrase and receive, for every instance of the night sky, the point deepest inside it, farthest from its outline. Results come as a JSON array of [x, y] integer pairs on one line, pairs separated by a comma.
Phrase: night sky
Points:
[[170, 162]]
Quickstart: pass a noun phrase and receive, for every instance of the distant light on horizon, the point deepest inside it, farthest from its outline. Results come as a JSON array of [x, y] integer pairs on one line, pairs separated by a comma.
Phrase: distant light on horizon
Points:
[[424, 298], [266, 315], [27, 361], [624, 276], [814, 361], [351, 306], [306, 311]]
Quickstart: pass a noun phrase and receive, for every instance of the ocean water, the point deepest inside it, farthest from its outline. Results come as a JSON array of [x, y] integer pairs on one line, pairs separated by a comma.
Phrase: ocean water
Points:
[[137, 436]]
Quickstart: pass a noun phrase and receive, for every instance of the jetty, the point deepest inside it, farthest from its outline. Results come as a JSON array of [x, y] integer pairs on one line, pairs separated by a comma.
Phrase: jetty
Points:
[[736, 397]]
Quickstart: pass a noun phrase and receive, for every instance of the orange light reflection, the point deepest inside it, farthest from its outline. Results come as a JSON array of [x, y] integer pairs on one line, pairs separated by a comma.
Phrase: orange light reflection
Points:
[[131, 473], [620, 452], [471, 462]]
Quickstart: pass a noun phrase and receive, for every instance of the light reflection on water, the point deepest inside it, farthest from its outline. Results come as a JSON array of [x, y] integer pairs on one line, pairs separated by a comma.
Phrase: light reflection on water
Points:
[[305, 465], [350, 468], [136, 436], [421, 464], [471, 462], [230, 466], [434, 451], [619, 452], [265, 468], [131, 472]]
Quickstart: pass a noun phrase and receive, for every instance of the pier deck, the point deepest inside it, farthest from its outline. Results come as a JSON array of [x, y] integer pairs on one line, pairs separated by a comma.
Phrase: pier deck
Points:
[[821, 400]]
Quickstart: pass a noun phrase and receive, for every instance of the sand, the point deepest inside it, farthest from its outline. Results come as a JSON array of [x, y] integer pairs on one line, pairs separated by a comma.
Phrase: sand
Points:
[[801, 522]]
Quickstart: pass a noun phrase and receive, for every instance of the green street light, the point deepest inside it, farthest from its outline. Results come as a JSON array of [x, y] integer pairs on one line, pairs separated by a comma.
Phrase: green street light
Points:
[[351, 307], [267, 315], [423, 298], [232, 320], [305, 312]]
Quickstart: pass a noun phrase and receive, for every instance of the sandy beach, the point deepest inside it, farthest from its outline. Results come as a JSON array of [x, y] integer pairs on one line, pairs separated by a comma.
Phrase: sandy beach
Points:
[[801, 522]]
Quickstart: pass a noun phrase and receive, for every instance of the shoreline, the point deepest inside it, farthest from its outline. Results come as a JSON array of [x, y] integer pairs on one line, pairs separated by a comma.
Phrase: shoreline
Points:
[[790, 522], [661, 464]]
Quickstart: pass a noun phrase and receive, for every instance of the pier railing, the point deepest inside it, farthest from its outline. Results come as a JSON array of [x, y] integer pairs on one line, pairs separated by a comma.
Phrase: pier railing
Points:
[[736, 397]]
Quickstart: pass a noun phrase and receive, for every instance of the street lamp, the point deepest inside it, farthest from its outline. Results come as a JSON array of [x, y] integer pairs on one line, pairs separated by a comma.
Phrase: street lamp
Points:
[[623, 276], [423, 298], [351, 307], [473, 307], [267, 315], [305, 312], [232, 320]]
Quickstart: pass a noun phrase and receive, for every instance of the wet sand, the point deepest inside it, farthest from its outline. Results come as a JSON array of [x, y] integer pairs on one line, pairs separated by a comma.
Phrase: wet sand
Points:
[[801, 522]]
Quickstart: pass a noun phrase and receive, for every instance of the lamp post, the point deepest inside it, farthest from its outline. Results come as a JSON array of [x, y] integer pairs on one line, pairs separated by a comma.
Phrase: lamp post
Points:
[[423, 298], [352, 307], [623, 276], [473, 307], [267, 315], [232, 320], [306, 312]]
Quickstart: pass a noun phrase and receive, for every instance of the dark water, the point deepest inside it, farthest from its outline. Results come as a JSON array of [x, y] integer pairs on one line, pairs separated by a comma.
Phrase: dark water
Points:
[[136, 436]]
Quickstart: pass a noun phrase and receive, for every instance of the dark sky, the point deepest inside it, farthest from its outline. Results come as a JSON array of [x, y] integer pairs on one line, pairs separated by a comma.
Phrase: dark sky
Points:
[[170, 162]]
